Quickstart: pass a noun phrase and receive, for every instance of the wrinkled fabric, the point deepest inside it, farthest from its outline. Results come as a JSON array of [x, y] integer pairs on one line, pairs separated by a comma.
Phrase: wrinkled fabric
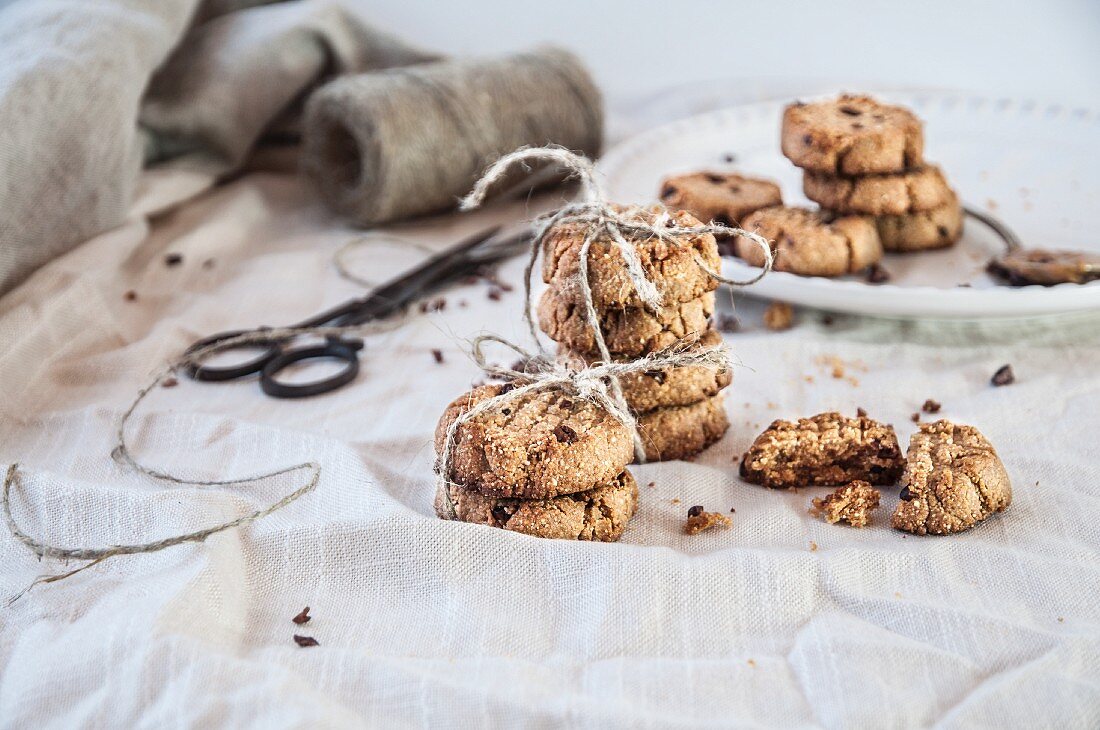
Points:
[[91, 90]]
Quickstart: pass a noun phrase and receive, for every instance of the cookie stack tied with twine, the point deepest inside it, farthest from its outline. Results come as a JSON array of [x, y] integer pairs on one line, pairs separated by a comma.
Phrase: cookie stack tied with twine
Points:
[[861, 157], [545, 453]]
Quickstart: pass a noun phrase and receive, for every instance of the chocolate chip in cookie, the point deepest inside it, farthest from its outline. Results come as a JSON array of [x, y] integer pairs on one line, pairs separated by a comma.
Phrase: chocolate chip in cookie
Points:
[[953, 480], [720, 197], [809, 243], [824, 450]]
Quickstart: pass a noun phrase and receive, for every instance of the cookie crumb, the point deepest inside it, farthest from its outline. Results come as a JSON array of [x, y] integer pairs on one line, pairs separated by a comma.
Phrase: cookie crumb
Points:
[[652, 484], [302, 617], [173, 259], [853, 503], [305, 640], [1003, 376], [729, 158], [915, 418], [699, 520], [130, 296], [495, 293], [169, 382], [813, 546], [778, 316], [931, 406], [752, 663], [437, 355], [877, 274]]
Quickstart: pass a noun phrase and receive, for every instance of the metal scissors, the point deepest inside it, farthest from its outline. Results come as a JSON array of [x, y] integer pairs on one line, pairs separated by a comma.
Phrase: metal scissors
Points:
[[462, 259]]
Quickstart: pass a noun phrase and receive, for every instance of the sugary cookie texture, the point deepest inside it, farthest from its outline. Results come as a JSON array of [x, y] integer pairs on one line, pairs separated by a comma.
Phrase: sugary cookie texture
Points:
[[953, 480], [719, 197]]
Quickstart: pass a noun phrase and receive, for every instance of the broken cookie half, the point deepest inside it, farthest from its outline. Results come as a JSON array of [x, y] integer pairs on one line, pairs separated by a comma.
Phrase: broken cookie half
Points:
[[953, 480]]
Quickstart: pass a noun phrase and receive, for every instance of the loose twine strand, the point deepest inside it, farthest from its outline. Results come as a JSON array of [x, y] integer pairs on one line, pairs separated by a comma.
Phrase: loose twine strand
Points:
[[598, 383]]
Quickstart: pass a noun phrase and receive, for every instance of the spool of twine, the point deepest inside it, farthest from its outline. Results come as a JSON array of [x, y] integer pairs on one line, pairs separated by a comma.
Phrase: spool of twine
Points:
[[394, 144]]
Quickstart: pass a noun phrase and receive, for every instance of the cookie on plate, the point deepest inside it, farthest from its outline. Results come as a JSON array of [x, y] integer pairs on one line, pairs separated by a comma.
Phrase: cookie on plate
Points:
[[720, 197], [922, 231], [922, 188], [627, 330], [824, 450], [953, 480], [540, 445], [808, 243], [672, 265], [681, 431], [600, 514], [852, 135], [665, 387]]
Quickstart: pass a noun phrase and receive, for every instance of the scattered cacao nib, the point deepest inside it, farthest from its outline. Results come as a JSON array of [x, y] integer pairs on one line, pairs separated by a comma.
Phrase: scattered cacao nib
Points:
[[169, 382], [173, 259], [1003, 376], [827, 320], [779, 316], [727, 323], [915, 418], [505, 286], [565, 434], [208, 264], [305, 640], [695, 511], [905, 494], [877, 274], [861, 413], [130, 296], [438, 355], [729, 158], [495, 293], [302, 617], [931, 406]]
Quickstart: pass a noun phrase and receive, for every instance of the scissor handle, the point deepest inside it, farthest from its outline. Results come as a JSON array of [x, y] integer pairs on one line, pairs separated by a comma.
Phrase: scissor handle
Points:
[[335, 348], [212, 373]]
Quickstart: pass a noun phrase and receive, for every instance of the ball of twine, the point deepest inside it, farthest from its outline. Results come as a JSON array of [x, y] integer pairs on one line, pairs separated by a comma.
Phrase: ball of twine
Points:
[[403, 142]]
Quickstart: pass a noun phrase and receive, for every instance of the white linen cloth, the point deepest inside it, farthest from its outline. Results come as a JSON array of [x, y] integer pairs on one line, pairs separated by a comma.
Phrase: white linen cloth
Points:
[[780, 621]]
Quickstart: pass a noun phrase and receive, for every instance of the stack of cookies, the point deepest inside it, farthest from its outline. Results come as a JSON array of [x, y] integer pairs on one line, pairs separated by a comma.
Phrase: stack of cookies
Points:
[[861, 157], [680, 410], [540, 462]]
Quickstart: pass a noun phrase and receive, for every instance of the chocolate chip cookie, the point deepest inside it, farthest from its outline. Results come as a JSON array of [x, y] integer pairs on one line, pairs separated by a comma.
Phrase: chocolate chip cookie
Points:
[[541, 445], [670, 264], [626, 330], [953, 480], [922, 231], [596, 514], [722, 197], [852, 135], [807, 242], [922, 188], [824, 450], [665, 387], [681, 431], [853, 503]]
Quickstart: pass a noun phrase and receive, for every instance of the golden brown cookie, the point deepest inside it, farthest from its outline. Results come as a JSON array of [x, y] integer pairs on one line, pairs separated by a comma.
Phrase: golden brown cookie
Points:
[[665, 387], [596, 514], [806, 242], [852, 135], [853, 503], [722, 197], [626, 331], [954, 480], [682, 431], [824, 450], [671, 264], [923, 231], [922, 188], [542, 445]]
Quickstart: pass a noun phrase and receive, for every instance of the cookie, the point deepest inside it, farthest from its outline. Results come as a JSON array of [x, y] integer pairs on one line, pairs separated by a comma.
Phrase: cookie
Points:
[[667, 387], [626, 331], [722, 197], [923, 188], [954, 480], [923, 231], [543, 445], [682, 431], [852, 135], [806, 242], [596, 514], [824, 450], [853, 503], [670, 264]]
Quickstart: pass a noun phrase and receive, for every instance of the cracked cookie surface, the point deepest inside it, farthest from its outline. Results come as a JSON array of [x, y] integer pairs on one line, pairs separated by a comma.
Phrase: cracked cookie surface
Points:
[[954, 480], [538, 445], [670, 264], [627, 330], [852, 135], [664, 387], [914, 190], [806, 242], [721, 197], [682, 431], [922, 231], [824, 450], [853, 503], [596, 514]]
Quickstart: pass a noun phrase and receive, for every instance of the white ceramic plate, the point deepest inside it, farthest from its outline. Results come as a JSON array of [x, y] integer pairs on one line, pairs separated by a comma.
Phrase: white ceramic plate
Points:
[[1036, 167]]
